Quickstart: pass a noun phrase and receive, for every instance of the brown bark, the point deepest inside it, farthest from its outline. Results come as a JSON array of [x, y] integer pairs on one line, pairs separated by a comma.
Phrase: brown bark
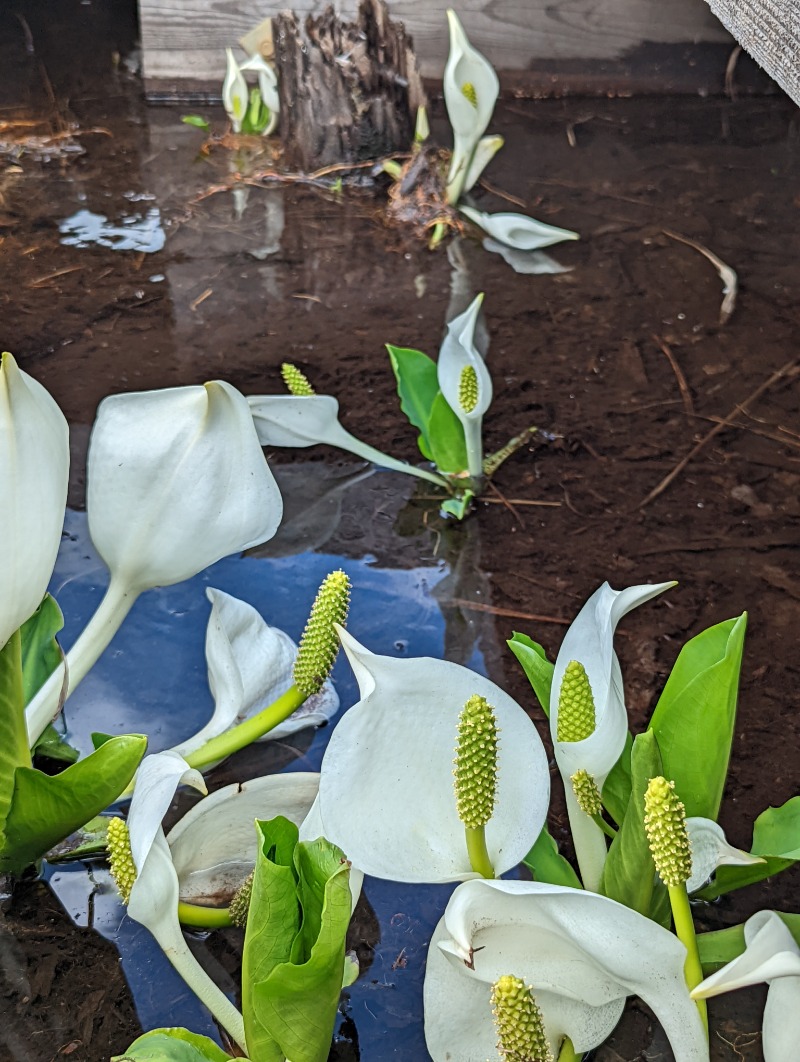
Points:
[[349, 91]]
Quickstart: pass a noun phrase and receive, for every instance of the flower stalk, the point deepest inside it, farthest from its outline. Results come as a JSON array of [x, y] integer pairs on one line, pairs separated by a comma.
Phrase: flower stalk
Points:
[[668, 837]]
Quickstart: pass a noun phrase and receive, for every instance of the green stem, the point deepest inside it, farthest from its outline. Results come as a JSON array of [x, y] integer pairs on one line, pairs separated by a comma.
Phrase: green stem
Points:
[[608, 830], [13, 732], [478, 854], [191, 914], [239, 737], [439, 229], [684, 928], [474, 442], [568, 1052]]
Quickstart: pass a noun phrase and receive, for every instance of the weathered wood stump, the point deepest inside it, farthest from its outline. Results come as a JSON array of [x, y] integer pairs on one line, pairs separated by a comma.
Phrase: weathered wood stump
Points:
[[349, 91]]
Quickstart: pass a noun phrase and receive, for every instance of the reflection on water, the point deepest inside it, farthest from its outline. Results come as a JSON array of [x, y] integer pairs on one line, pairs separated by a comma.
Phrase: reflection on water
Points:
[[132, 232], [152, 679]]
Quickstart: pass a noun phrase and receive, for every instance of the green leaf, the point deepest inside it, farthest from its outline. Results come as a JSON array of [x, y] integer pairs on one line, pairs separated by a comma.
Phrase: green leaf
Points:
[[52, 745], [617, 787], [458, 507], [173, 1045], [294, 946], [89, 841], [196, 120], [417, 386], [695, 716], [535, 665], [547, 864], [446, 438], [629, 873], [41, 653], [14, 750], [45, 810], [722, 945], [776, 837]]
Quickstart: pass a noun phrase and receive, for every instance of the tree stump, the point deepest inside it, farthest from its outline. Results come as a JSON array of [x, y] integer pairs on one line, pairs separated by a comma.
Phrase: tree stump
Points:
[[349, 91]]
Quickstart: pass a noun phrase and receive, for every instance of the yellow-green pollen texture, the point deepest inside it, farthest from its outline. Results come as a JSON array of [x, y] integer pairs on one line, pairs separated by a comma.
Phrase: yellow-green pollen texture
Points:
[[296, 381], [468, 91], [320, 642], [586, 792], [240, 904], [468, 389], [519, 1024], [576, 716], [475, 770], [665, 826], [118, 844]]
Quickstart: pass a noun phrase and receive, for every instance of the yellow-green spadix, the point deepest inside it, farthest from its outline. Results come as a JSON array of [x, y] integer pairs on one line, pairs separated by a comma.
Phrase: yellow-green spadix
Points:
[[458, 355], [386, 786]]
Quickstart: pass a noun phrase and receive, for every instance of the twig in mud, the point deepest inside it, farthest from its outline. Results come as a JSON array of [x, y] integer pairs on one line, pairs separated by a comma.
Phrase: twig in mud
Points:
[[730, 281], [789, 369], [505, 501], [730, 68], [521, 501], [201, 298], [683, 386], [509, 613], [494, 190], [781, 439]]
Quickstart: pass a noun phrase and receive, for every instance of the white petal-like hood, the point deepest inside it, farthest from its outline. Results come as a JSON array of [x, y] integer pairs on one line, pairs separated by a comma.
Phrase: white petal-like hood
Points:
[[710, 849], [518, 230]]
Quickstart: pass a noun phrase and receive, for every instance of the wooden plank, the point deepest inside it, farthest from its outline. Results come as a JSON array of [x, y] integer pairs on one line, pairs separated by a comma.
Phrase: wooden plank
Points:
[[770, 31], [186, 39]]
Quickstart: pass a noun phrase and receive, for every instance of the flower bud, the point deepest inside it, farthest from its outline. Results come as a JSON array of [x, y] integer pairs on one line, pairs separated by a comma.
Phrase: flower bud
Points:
[[320, 642], [665, 826], [576, 715], [296, 381], [120, 858], [519, 1023], [586, 792], [468, 389], [476, 763]]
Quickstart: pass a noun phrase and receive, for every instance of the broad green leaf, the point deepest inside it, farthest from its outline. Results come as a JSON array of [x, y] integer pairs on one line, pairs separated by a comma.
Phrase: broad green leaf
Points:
[[695, 716], [547, 864], [52, 745], [14, 750], [45, 809], [417, 386], [629, 873], [196, 120], [458, 507], [173, 1045], [535, 665], [722, 945], [88, 841], [41, 653], [446, 437], [273, 923], [291, 1003], [617, 787], [776, 837]]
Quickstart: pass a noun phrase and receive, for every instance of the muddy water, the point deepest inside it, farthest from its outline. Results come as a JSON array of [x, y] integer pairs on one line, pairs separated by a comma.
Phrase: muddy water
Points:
[[142, 262]]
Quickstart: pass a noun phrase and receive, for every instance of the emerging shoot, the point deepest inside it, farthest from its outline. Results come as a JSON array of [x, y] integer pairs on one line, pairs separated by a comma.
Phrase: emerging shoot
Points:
[[576, 712], [320, 642], [518, 1020], [475, 776], [296, 381]]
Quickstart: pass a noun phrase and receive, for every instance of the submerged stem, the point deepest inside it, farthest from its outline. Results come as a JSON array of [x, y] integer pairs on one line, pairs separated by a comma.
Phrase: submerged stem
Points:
[[684, 929], [478, 853]]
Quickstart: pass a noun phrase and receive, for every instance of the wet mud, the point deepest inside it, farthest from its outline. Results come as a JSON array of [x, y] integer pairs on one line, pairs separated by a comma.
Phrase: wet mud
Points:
[[670, 443]]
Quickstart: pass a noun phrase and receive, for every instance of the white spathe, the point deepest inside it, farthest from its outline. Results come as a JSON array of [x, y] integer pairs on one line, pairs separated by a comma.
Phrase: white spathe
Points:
[[176, 480], [309, 420], [267, 86], [772, 955], [386, 793], [34, 475], [471, 88], [518, 230], [458, 352], [234, 92], [581, 953], [590, 641], [155, 894], [710, 849], [485, 150], [250, 665]]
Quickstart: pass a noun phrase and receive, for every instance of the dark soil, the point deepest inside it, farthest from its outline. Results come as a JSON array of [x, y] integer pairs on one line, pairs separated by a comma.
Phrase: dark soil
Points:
[[623, 360]]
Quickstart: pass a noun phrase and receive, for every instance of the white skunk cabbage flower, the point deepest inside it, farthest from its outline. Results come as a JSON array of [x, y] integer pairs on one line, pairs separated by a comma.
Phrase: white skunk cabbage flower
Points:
[[34, 475], [386, 795], [235, 97], [518, 230], [267, 86], [214, 845], [249, 666], [471, 89], [176, 480], [309, 420], [772, 955], [710, 849], [485, 150], [465, 382], [589, 646], [154, 895], [581, 953]]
